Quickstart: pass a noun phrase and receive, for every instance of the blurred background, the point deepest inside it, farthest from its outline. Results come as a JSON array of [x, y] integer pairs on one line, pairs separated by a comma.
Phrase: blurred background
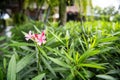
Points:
[[15, 12]]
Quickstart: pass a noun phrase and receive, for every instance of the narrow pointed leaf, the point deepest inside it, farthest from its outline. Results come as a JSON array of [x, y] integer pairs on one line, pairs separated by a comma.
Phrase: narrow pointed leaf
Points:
[[87, 54], [69, 77], [36, 29], [56, 37], [18, 44], [105, 77], [11, 74], [57, 61], [92, 66], [39, 77], [43, 52], [109, 39], [24, 61], [48, 65], [81, 75]]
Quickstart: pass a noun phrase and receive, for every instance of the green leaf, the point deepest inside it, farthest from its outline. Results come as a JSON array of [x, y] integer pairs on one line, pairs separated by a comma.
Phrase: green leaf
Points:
[[116, 33], [93, 43], [81, 75], [21, 44], [36, 29], [48, 65], [54, 44], [109, 39], [87, 54], [57, 61], [1, 74], [24, 62], [24, 32], [2, 38], [26, 48], [68, 56], [106, 77], [60, 69], [81, 43], [77, 57], [113, 72], [57, 37], [4, 63], [39, 77], [92, 66], [54, 51], [11, 74], [42, 51], [70, 77]]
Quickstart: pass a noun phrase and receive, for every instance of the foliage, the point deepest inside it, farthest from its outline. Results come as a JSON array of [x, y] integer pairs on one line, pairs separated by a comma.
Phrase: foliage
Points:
[[74, 52], [106, 13], [16, 31], [19, 18], [116, 18]]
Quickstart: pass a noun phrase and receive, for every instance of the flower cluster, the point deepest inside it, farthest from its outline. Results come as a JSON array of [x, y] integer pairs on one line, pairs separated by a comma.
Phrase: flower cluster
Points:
[[38, 38]]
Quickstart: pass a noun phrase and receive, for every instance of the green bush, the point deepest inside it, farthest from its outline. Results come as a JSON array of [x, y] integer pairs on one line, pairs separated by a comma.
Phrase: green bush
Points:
[[87, 51], [17, 30], [117, 18]]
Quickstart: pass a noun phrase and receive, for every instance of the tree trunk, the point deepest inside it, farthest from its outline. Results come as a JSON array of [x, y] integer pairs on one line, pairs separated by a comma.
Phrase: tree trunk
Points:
[[62, 12], [47, 15]]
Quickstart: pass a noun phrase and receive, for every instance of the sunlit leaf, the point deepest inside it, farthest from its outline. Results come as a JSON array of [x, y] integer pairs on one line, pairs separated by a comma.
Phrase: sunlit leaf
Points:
[[92, 66], [106, 77], [108, 39], [39, 77]]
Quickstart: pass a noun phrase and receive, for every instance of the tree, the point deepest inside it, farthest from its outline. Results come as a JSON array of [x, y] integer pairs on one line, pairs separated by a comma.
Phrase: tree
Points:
[[62, 12]]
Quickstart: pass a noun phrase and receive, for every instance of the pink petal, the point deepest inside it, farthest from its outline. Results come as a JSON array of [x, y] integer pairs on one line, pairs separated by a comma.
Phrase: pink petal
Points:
[[28, 36], [38, 38]]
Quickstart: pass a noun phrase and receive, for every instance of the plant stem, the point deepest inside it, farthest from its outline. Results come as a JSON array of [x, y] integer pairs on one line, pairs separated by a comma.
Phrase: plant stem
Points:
[[38, 59]]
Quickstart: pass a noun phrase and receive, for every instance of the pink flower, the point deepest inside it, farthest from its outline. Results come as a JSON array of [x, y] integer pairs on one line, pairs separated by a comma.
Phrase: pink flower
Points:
[[29, 36], [38, 38]]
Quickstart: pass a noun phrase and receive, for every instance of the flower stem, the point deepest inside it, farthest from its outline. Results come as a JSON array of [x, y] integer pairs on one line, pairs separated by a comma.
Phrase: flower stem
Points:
[[39, 68]]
